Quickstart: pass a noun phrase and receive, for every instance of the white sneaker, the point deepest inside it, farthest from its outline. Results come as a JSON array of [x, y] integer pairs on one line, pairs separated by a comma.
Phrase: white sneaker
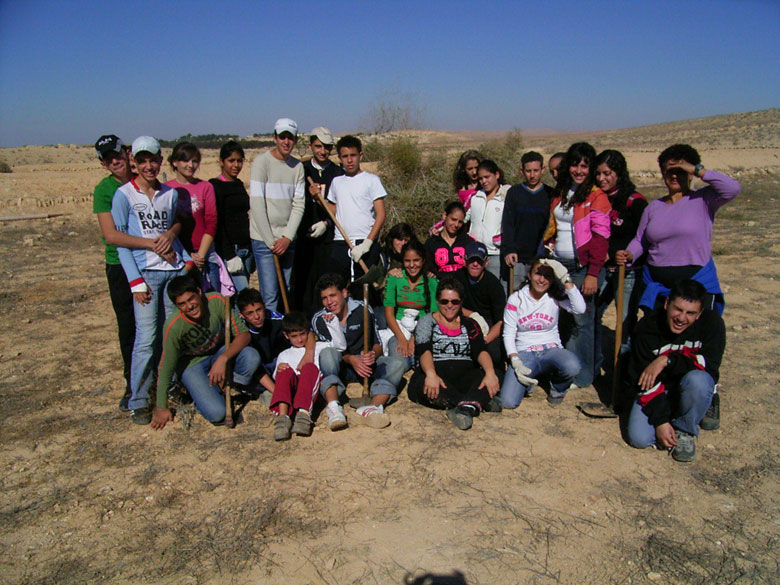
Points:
[[372, 415], [336, 418]]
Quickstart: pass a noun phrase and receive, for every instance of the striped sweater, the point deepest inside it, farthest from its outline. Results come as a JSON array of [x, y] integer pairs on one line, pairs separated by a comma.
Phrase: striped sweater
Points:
[[276, 198]]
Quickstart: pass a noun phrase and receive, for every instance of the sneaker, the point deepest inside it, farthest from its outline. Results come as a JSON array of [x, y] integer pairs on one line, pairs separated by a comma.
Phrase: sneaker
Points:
[[336, 418], [282, 428], [685, 450], [141, 416], [494, 405], [123, 407], [265, 398], [372, 415], [555, 401], [302, 425], [461, 416], [711, 420]]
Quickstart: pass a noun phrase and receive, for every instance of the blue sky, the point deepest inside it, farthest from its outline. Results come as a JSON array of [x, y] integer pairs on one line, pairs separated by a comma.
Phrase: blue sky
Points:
[[70, 71]]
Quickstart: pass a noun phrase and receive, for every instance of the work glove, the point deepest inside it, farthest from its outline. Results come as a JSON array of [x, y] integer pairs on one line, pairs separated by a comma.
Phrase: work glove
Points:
[[318, 229], [558, 269], [361, 249], [522, 372], [482, 323], [235, 265]]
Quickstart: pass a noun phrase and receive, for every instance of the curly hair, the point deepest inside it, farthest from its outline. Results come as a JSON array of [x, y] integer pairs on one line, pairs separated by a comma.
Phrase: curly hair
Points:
[[578, 152], [616, 162], [684, 152], [460, 179]]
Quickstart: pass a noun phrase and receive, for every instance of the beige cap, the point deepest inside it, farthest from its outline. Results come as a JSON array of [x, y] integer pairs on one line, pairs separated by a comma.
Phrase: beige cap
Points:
[[323, 134]]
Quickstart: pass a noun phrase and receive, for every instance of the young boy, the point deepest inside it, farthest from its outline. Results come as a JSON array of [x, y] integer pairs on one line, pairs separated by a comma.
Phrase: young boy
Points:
[[316, 229], [144, 208], [357, 198], [295, 385], [340, 323], [194, 346], [525, 217], [276, 203]]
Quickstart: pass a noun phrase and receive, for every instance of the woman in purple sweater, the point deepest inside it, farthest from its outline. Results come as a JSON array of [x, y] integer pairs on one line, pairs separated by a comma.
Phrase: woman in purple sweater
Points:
[[675, 231]]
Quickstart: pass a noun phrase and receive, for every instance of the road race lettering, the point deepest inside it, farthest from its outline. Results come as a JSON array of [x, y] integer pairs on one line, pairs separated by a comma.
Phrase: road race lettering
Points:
[[154, 220]]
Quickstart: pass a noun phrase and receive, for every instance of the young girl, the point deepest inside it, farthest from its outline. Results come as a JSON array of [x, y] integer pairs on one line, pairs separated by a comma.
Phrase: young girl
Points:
[[198, 234], [407, 299], [578, 236], [487, 207], [232, 241], [397, 237], [531, 335], [446, 252]]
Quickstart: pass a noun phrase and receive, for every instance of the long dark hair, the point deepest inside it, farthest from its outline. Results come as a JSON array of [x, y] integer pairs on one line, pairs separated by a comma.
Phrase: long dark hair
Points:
[[491, 167], [625, 187], [417, 247], [460, 179], [400, 231], [577, 152], [556, 290]]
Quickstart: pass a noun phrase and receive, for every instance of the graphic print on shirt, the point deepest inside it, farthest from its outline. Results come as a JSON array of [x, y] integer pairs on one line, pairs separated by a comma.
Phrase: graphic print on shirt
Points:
[[152, 220], [442, 258], [446, 347], [535, 322]]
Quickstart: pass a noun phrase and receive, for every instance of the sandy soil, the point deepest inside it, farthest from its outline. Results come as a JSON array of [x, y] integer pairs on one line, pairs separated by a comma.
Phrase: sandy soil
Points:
[[537, 495]]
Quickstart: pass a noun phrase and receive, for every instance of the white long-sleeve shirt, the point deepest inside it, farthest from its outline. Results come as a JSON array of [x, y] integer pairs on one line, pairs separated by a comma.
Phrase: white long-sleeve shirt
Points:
[[531, 324], [485, 217]]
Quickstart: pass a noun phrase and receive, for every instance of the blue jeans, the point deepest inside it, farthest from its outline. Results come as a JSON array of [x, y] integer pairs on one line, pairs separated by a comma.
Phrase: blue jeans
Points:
[[147, 348], [582, 328], [693, 398], [208, 398], [387, 373], [266, 272], [563, 364], [392, 350], [241, 279]]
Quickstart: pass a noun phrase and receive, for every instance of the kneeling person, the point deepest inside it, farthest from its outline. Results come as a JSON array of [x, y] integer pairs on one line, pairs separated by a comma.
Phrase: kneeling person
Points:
[[194, 348], [340, 323], [675, 362]]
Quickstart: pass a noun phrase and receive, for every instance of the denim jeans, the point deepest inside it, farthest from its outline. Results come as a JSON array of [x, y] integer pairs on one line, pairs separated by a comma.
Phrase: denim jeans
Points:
[[208, 398], [392, 350], [608, 293], [210, 277], [581, 329], [387, 373], [149, 321], [122, 302], [266, 272], [692, 397], [563, 364], [241, 279]]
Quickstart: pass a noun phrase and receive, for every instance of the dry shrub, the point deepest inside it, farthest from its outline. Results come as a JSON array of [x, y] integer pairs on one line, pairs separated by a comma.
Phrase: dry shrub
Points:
[[5, 167], [506, 152]]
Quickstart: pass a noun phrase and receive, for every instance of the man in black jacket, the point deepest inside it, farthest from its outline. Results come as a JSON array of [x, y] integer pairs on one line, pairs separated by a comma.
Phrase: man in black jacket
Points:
[[675, 362]]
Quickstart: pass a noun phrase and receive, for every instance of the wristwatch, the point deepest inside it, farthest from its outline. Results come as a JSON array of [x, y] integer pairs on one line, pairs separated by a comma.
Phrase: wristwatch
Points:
[[698, 169]]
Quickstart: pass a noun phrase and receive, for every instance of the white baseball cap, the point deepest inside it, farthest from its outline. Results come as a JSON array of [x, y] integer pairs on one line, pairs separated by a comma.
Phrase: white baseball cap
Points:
[[145, 144], [323, 134], [286, 125]]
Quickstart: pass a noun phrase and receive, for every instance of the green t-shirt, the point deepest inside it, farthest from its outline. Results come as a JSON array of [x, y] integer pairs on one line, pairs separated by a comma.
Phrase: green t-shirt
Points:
[[401, 295], [185, 343], [104, 195]]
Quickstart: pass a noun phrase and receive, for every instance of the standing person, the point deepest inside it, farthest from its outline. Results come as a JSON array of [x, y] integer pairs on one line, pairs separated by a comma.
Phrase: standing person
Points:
[[316, 229], [627, 207], [675, 362], [526, 213], [114, 156], [199, 199], [455, 372], [232, 241], [358, 200], [554, 164], [578, 235], [276, 202], [531, 337], [446, 251], [487, 208], [145, 208]]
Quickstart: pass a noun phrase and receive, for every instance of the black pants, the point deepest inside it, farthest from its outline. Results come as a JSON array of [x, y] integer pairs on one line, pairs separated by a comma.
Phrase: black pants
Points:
[[310, 262], [462, 379], [122, 301]]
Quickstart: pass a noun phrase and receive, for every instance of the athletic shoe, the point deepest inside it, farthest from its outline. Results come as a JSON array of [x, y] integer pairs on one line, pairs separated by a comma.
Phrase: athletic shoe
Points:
[[141, 416], [336, 418], [265, 398], [372, 415], [555, 401], [123, 407], [302, 425], [711, 420], [461, 416], [494, 405], [282, 428], [685, 450]]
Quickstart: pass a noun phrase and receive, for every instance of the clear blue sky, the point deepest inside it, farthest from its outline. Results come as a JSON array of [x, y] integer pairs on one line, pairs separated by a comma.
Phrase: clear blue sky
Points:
[[70, 71]]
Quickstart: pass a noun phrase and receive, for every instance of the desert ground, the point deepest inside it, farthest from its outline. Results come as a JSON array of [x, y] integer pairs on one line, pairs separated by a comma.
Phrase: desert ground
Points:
[[536, 495]]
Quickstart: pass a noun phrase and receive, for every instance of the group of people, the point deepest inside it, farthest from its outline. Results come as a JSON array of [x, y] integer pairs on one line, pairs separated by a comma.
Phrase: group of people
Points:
[[175, 251]]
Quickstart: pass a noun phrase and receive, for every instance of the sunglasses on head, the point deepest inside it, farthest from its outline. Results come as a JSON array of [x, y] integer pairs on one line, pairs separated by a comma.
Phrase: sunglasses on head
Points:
[[454, 302]]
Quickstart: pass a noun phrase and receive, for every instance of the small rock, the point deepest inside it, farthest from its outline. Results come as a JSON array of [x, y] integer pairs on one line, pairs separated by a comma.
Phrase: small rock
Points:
[[151, 498], [653, 576], [330, 564], [73, 234], [28, 241]]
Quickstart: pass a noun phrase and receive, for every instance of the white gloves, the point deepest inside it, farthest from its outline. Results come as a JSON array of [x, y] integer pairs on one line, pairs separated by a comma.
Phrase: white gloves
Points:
[[482, 323], [235, 265], [361, 249], [560, 271], [521, 371], [318, 229]]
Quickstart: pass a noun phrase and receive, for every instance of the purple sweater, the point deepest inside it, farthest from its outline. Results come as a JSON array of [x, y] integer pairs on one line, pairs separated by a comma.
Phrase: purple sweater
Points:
[[681, 234]]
